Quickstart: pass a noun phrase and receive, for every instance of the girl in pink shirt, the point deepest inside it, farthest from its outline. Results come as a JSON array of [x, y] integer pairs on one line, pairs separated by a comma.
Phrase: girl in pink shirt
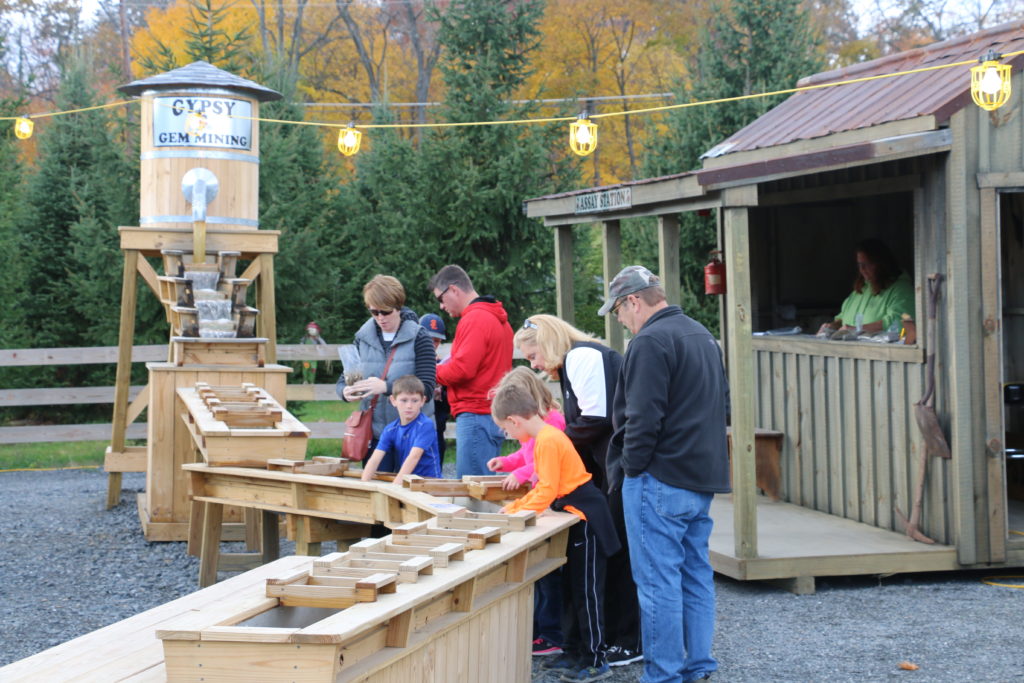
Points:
[[520, 464]]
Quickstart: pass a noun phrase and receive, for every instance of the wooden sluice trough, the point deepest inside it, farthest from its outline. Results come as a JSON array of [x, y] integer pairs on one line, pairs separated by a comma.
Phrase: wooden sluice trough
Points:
[[449, 599]]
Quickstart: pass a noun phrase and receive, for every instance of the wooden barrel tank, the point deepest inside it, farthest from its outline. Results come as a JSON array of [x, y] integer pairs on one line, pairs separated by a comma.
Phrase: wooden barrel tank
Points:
[[199, 116]]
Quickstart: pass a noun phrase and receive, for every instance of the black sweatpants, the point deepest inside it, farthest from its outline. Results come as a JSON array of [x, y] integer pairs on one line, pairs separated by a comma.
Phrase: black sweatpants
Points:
[[584, 576]]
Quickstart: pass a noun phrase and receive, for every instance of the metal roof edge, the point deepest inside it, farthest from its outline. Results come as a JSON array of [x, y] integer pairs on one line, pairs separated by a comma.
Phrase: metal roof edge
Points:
[[872, 151], [855, 69]]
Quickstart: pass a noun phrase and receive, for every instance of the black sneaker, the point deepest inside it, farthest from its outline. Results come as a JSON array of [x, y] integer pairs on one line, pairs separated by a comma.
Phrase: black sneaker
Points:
[[543, 646], [621, 656]]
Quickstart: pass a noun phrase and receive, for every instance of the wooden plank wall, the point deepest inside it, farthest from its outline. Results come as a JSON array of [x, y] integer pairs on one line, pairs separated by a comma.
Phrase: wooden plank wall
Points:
[[852, 444]]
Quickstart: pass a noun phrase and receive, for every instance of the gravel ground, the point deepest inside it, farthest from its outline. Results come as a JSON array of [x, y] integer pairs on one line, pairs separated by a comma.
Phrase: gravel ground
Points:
[[68, 567]]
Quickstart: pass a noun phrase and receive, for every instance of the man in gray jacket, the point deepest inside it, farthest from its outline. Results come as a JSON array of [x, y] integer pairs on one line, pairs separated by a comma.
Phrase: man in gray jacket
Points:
[[669, 455]]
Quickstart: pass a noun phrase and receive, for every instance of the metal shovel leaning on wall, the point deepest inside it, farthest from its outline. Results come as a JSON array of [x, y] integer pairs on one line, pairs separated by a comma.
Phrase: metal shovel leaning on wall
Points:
[[927, 421]]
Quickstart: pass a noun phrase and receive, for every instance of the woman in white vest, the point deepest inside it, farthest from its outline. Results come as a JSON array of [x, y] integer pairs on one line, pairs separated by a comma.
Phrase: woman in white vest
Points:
[[392, 328]]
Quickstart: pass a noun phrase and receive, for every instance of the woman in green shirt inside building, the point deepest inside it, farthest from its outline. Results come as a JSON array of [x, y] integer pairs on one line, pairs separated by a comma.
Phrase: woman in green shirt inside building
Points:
[[881, 294]]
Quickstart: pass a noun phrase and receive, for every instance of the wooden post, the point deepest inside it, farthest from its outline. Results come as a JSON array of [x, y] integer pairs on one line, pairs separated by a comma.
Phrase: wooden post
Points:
[[612, 248], [995, 461], [565, 308], [740, 352], [668, 256], [270, 536], [962, 306], [122, 384], [209, 555], [266, 304]]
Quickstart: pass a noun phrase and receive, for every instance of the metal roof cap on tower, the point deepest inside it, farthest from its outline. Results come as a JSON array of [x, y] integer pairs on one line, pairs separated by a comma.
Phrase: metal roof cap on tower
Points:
[[200, 74]]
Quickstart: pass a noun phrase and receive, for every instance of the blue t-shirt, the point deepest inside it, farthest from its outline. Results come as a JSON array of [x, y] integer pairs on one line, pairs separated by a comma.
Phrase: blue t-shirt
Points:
[[398, 439]]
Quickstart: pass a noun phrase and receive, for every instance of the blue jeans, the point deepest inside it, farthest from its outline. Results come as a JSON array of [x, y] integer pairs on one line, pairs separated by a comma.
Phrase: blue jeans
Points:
[[668, 530], [477, 440]]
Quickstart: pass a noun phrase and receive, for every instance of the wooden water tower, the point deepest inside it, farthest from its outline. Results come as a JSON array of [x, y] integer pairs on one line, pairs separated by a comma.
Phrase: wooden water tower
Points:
[[198, 209]]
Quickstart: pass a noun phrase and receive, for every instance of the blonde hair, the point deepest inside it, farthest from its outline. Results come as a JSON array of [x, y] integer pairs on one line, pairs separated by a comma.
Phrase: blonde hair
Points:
[[533, 383], [384, 291], [553, 336]]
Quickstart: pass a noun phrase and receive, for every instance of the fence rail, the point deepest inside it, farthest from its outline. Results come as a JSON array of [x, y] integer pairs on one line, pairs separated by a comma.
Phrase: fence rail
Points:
[[11, 398]]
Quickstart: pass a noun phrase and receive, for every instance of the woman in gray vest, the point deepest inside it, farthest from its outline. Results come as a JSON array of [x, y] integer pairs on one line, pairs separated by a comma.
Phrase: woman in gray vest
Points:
[[391, 328]]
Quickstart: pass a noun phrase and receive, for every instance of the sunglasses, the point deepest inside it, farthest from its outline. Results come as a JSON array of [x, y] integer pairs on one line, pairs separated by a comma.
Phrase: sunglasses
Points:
[[440, 297], [529, 325], [377, 311], [617, 306]]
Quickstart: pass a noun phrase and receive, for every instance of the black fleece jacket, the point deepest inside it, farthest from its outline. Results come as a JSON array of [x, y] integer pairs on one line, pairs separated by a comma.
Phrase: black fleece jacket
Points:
[[670, 407]]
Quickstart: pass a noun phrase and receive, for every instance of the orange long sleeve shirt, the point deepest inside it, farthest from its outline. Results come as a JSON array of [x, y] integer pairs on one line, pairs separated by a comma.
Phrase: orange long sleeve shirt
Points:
[[559, 470]]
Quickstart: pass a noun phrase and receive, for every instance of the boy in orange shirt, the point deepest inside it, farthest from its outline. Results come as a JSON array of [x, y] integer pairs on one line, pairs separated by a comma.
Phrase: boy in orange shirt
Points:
[[564, 484]]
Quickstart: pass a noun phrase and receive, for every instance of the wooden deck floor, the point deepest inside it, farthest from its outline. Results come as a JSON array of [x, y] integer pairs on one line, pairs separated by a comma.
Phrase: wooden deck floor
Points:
[[795, 542]]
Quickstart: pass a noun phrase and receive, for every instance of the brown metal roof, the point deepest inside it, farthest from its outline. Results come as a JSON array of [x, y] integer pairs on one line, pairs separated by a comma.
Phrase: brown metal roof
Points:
[[941, 92]]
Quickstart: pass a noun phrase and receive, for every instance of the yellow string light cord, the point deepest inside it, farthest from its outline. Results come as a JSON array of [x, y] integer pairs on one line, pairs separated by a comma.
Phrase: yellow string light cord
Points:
[[43, 115], [555, 119]]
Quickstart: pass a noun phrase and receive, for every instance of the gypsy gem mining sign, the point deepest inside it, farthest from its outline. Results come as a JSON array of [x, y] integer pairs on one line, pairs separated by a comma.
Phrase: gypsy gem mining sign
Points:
[[228, 122], [594, 202]]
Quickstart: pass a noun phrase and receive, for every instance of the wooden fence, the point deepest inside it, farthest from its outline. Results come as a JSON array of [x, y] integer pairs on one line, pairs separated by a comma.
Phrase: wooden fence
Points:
[[93, 395]]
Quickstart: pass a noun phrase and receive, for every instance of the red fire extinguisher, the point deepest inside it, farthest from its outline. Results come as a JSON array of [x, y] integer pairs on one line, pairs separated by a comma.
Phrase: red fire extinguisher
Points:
[[714, 275]]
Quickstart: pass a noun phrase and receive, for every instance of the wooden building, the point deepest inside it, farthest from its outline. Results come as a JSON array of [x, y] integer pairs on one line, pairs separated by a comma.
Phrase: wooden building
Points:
[[908, 159]]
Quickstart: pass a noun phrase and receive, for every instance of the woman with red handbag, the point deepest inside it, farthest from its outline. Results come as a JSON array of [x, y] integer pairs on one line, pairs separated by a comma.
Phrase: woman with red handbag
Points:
[[390, 344]]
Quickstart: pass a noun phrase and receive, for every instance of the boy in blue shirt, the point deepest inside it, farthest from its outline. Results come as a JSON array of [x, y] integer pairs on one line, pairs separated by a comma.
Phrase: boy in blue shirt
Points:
[[411, 439]]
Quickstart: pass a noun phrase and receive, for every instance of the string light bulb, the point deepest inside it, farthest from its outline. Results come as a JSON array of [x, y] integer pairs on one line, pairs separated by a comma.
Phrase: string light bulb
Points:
[[990, 82], [583, 135], [23, 127], [349, 140], [196, 122]]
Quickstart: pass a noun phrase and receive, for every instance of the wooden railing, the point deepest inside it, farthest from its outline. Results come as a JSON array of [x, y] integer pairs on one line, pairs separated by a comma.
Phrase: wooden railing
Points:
[[62, 396]]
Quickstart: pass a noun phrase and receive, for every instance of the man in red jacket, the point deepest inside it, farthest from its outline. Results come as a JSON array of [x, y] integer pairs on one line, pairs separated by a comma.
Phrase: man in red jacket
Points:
[[481, 355]]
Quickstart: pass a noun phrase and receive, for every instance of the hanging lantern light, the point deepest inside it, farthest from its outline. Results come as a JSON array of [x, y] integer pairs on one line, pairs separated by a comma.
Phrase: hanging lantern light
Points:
[[196, 122], [583, 135], [349, 140], [23, 128], [990, 82]]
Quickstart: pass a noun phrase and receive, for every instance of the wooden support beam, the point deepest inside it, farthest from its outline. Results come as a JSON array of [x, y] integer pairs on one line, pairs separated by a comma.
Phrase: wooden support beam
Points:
[[995, 460], [668, 256], [462, 596], [564, 295], [122, 384], [399, 628], [741, 380], [209, 555], [270, 536], [266, 303], [612, 264], [149, 276]]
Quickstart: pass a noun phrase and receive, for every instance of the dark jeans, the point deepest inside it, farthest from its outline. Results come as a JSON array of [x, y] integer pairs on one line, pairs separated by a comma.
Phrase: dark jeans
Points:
[[621, 607], [547, 608]]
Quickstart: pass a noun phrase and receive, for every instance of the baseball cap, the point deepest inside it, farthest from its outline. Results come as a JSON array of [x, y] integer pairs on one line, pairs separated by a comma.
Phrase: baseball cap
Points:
[[630, 279], [432, 323]]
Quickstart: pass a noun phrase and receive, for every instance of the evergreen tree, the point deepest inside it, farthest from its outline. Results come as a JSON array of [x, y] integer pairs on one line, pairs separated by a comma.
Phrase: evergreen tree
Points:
[[381, 214], [69, 293], [753, 47], [457, 198], [295, 188], [478, 176], [12, 210], [207, 40]]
